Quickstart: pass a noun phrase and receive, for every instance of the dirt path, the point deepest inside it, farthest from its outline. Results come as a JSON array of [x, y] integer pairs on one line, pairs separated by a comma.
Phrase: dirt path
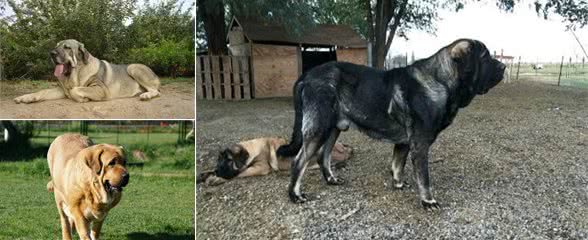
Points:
[[514, 165], [176, 102]]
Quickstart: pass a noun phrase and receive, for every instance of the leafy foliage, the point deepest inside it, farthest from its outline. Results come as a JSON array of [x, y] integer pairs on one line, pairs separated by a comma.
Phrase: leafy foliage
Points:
[[166, 56], [108, 28]]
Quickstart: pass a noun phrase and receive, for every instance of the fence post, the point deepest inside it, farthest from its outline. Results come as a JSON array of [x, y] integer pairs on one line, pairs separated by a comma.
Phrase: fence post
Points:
[[518, 68], [48, 134], [117, 132], [560, 68], [199, 83], [569, 68], [148, 132]]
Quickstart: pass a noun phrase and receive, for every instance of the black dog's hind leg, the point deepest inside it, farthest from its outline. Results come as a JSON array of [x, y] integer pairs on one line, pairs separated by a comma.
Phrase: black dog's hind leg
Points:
[[324, 160], [309, 148], [419, 154], [398, 163]]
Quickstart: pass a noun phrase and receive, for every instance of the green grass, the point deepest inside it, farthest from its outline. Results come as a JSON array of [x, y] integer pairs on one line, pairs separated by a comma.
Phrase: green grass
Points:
[[574, 76], [158, 203], [168, 80]]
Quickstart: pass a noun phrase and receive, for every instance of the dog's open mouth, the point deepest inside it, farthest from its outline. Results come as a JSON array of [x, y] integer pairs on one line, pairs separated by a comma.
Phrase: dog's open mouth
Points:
[[62, 70], [111, 188]]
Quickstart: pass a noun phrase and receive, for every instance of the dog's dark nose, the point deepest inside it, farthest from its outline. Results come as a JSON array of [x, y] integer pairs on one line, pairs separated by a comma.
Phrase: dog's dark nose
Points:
[[125, 179], [53, 53]]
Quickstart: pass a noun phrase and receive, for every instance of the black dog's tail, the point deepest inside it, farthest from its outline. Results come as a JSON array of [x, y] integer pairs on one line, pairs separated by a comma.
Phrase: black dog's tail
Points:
[[296, 141]]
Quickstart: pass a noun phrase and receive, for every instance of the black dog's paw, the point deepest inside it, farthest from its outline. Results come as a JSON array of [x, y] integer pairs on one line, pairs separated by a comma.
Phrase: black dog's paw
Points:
[[335, 181], [302, 198], [431, 205], [400, 185]]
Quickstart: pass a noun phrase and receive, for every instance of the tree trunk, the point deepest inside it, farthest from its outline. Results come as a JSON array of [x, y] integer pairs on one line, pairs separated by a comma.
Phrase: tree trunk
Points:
[[383, 34], [213, 15]]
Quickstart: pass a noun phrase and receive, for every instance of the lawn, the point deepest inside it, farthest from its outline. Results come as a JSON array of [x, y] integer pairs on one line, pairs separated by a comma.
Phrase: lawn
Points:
[[571, 75], [158, 203]]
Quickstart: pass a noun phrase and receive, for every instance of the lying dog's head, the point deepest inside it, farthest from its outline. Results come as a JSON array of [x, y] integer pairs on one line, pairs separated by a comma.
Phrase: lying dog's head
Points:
[[108, 163], [231, 162], [68, 54], [476, 66]]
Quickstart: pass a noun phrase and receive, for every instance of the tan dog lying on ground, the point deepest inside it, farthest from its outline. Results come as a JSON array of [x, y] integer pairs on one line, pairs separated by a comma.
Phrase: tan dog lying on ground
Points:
[[257, 157], [87, 181], [83, 78]]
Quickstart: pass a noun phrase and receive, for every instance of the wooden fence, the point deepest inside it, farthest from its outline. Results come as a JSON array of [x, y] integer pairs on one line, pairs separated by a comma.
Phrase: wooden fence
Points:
[[223, 77]]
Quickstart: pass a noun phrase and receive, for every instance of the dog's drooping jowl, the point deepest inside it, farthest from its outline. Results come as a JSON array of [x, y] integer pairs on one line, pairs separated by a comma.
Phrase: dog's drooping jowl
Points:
[[406, 106]]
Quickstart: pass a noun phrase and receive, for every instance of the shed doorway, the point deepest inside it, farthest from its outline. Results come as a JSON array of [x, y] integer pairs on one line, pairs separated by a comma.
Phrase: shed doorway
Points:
[[314, 56]]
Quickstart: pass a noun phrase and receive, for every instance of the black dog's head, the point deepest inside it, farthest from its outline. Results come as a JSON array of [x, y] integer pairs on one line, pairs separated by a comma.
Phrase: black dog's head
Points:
[[231, 162], [476, 66]]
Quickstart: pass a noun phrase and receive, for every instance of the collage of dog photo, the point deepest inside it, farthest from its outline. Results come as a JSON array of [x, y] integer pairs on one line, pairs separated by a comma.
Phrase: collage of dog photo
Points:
[[293, 119], [97, 110]]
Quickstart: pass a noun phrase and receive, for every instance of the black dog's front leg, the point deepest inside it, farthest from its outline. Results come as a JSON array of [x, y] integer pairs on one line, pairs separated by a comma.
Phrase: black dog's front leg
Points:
[[419, 154]]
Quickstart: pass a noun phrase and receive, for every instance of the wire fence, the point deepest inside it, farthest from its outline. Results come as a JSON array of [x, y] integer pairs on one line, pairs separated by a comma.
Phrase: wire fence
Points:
[[114, 132], [568, 72]]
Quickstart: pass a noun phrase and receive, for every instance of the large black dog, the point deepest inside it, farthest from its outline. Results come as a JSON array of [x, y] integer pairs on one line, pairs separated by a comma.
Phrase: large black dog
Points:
[[407, 106]]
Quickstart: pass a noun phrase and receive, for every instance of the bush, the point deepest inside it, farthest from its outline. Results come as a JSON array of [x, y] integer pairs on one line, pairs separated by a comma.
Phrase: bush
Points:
[[168, 57]]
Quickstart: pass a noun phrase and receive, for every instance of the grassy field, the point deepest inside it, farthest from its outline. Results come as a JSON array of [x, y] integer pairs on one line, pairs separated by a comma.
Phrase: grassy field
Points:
[[571, 75], [158, 203]]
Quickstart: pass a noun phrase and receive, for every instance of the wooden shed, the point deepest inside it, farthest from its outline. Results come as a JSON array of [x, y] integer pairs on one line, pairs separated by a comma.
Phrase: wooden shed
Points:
[[278, 57]]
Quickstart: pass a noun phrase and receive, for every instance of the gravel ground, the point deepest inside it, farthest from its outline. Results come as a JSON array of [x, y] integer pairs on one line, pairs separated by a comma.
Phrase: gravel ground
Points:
[[514, 165]]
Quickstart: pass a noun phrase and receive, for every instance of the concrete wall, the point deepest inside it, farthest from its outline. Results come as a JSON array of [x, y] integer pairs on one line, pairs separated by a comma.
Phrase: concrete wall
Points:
[[275, 69]]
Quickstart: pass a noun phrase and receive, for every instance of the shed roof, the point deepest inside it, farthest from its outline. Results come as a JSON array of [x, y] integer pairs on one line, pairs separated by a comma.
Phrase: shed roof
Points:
[[320, 34]]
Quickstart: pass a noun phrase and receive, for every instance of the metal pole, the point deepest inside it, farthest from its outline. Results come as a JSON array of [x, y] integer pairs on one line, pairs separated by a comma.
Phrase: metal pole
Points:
[[560, 68], [569, 68], [117, 132], [518, 67], [148, 131]]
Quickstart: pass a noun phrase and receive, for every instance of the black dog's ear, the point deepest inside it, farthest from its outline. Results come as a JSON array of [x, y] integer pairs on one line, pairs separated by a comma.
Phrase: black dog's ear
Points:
[[460, 49], [84, 55]]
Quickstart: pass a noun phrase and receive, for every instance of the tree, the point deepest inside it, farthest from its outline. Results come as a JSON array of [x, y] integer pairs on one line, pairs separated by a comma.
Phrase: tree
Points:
[[110, 29], [212, 15], [383, 20], [163, 37], [39, 24], [380, 21], [215, 14]]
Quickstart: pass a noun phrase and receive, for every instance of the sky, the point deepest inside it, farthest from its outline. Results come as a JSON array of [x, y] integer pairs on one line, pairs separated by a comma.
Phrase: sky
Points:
[[520, 33]]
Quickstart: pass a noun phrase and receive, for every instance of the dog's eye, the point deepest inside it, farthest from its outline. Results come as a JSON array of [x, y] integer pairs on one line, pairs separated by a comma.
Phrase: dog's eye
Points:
[[111, 163]]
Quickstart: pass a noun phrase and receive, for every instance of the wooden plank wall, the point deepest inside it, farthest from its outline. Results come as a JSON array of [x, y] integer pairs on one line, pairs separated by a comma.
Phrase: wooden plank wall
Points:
[[276, 69], [223, 77]]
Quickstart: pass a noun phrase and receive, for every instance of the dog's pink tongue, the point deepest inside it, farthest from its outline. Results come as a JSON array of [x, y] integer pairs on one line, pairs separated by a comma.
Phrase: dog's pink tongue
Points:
[[58, 70]]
